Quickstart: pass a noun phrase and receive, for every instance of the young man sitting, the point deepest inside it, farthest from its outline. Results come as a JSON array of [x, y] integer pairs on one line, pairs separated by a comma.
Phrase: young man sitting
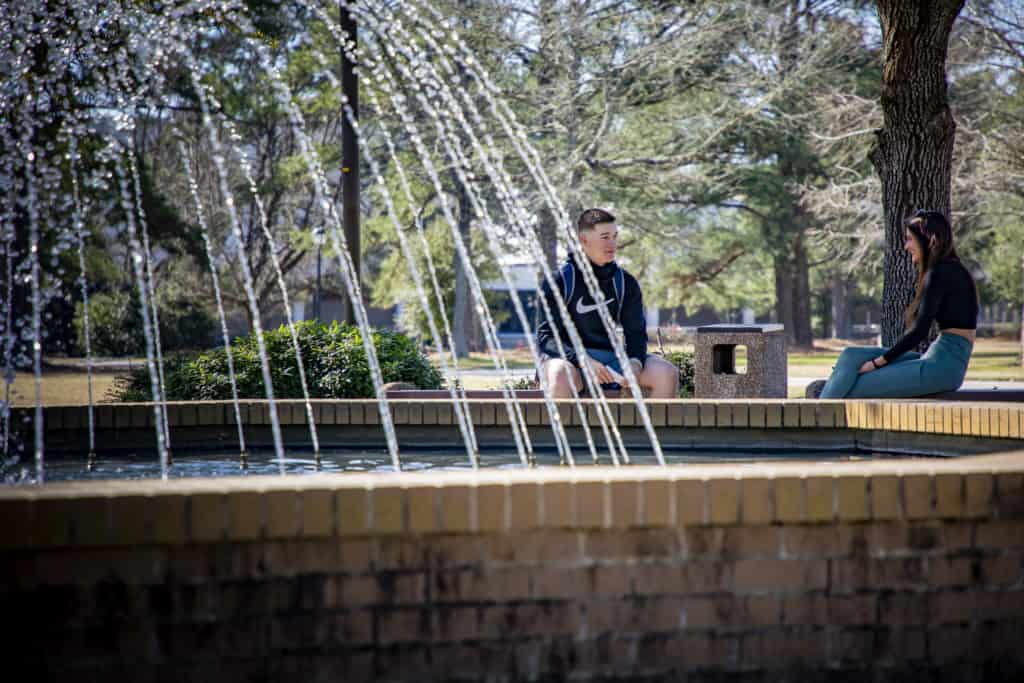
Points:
[[621, 297]]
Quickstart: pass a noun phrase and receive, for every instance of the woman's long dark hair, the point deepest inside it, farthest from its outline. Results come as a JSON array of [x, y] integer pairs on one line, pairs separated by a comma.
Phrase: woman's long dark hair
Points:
[[933, 233]]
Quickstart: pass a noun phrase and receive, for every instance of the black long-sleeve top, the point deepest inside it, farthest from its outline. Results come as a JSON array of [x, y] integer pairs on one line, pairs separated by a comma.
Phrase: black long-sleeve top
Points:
[[950, 298], [584, 314]]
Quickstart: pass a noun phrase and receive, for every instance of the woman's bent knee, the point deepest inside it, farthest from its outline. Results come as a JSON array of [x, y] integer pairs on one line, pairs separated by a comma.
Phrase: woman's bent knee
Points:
[[858, 352]]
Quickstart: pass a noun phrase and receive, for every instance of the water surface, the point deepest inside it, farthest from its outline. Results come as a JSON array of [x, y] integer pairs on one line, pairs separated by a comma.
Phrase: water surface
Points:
[[145, 465]]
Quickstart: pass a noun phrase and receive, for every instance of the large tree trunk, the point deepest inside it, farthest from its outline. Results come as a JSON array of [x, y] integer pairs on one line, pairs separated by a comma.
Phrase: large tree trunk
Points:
[[462, 323], [913, 152]]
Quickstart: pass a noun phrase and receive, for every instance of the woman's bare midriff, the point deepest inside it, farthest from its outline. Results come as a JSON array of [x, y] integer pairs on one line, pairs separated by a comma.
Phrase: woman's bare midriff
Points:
[[965, 333]]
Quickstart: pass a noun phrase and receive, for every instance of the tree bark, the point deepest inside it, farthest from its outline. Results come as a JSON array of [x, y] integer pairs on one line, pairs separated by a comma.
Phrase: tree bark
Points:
[[350, 163], [462, 323], [913, 151]]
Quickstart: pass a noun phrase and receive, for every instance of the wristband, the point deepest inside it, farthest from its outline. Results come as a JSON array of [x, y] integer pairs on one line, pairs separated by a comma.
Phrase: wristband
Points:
[[874, 362]]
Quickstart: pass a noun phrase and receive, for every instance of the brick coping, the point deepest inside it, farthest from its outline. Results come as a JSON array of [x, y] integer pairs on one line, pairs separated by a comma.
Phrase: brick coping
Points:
[[216, 510], [154, 512], [980, 419]]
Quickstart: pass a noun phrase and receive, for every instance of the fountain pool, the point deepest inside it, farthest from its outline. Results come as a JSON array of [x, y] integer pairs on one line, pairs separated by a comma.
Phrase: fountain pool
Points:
[[887, 565]]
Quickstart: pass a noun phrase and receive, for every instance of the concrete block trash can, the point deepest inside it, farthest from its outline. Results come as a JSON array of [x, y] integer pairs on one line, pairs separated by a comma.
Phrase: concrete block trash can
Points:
[[715, 371]]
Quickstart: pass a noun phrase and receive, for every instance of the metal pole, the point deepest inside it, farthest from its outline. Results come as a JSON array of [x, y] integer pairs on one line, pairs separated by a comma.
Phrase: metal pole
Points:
[[350, 155]]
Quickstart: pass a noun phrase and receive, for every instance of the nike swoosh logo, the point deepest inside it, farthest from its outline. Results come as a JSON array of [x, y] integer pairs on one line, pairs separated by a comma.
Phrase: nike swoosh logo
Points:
[[583, 310]]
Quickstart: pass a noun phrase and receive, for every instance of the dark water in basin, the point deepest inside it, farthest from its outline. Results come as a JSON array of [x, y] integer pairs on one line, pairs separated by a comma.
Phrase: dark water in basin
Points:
[[211, 464]]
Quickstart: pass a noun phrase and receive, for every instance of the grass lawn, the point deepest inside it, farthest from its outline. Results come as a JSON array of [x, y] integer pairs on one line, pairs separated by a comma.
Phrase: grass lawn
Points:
[[65, 383], [61, 388]]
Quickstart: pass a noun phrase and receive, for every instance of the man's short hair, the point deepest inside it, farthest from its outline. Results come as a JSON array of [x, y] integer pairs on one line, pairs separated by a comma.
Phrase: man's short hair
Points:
[[591, 217]]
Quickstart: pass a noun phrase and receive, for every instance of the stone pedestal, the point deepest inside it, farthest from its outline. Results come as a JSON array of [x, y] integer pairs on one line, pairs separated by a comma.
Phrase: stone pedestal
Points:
[[714, 362]]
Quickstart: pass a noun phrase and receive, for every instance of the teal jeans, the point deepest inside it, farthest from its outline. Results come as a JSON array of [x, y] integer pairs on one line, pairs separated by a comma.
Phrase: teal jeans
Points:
[[941, 368]]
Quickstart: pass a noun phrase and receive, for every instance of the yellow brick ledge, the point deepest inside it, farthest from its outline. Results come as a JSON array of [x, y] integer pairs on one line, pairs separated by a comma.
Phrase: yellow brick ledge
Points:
[[197, 511], [994, 420]]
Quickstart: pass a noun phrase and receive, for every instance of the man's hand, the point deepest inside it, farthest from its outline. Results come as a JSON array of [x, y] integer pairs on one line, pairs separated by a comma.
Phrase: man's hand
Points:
[[604, 374]]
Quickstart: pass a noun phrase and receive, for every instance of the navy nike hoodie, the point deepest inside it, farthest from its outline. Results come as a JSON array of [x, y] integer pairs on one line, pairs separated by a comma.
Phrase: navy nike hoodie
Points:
[[583, 312]]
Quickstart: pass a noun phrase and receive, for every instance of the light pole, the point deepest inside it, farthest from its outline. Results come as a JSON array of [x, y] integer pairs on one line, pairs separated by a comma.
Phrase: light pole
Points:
[[319, 237]]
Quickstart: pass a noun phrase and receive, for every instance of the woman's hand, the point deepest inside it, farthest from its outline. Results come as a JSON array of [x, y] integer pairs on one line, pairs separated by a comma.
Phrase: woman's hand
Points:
[[873, 364]]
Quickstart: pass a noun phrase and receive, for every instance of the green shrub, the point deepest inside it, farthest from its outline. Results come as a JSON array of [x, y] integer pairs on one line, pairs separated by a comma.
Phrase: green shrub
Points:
[[684, 361], [332, 356], [115, 325]]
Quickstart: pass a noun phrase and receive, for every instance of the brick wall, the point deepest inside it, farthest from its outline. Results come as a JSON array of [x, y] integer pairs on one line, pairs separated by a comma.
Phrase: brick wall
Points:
[[882, 570]]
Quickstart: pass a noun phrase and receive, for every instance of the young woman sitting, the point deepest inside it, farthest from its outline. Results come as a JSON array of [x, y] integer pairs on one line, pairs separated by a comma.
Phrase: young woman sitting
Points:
[[945, 293]]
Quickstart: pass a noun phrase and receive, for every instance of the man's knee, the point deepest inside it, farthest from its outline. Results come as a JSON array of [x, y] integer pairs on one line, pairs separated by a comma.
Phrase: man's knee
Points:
[[561, 375]]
